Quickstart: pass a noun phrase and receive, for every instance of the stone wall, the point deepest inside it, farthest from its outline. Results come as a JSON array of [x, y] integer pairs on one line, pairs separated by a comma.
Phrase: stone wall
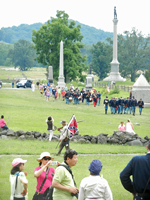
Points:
[[118, 137]]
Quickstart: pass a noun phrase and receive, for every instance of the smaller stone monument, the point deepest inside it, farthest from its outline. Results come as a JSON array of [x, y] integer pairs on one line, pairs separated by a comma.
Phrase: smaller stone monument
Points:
[[88, 82], [141, 90], [50, 74]]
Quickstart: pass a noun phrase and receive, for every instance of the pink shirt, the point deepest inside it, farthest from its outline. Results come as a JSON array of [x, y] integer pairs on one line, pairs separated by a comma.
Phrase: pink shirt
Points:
[[40, 179], [122, 128], [2, 122]]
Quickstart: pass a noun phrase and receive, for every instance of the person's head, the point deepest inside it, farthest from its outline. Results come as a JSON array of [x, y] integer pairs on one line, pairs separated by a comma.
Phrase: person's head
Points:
[[2, 116], [44, 158], [17, 165], [70, 157], [49, 118], [63, 122], [106, 97], [121, 122], [95, 167], [128, 120], [127, 98]]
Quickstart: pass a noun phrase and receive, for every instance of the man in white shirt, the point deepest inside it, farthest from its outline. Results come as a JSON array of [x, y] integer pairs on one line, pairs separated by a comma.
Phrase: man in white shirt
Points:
[[95, 186]]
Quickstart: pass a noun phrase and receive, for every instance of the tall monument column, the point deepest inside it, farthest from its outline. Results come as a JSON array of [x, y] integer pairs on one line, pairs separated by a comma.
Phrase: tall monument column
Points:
[[61, 78], [114, 74]]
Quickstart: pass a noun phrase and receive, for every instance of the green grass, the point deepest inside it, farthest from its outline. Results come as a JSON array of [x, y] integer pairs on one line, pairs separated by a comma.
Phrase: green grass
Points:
[[28, 111]]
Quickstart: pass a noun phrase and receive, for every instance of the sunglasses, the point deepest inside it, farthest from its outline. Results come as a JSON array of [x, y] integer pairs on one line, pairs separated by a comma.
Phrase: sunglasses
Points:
[[46, 158]]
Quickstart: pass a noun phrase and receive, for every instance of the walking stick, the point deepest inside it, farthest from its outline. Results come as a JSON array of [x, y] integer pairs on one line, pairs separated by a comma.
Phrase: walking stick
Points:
[[57, 145]]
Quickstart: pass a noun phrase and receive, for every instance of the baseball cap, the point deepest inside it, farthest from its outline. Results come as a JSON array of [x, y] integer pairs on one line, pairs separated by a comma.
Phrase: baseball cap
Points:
[[17, 161]]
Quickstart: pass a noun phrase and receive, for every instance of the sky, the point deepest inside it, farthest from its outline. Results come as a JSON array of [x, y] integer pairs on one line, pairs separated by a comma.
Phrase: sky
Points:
[[95, 13]]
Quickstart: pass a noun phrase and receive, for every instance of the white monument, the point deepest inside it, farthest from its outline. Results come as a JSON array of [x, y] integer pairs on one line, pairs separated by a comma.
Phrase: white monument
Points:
[[88, 82], [141, 90], [61, 78], [114, 74], [50, 74]]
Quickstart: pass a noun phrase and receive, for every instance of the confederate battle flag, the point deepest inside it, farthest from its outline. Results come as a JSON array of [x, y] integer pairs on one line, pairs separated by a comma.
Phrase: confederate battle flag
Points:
[[72, 126]]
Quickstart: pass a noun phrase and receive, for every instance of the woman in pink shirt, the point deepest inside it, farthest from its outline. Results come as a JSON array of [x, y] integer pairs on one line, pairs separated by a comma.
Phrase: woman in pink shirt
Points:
[[121, 127], [45, 161], [2, 123]]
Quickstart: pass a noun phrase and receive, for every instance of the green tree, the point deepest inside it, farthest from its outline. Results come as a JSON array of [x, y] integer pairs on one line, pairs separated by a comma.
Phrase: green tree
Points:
[[22, 55], [147, 75], [101, 58], [47, 44], [133, 53]]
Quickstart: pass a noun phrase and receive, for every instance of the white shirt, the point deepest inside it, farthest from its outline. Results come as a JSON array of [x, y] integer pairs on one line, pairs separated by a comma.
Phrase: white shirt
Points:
[[64, 133], [19, 187], [94, 187]]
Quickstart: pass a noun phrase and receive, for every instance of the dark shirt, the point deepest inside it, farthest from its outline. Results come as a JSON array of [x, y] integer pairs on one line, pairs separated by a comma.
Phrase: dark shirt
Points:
[[139, 168], [50, 125]]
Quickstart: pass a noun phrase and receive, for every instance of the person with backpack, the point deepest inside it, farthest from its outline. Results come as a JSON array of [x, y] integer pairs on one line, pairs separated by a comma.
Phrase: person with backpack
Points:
[[63, 182], [18, 181]]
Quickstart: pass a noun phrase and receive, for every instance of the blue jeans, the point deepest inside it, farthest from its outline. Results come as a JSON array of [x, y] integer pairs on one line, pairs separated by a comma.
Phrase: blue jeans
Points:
[[67, 100], [98, 102], [106, 107], [121, 109], [118, 109], [140, 109], [85, 101], [5, 127], [133, 109], [113, 110]]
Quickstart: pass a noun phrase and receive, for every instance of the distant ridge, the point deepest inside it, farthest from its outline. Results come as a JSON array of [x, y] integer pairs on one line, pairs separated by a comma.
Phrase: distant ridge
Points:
[[24, 31]]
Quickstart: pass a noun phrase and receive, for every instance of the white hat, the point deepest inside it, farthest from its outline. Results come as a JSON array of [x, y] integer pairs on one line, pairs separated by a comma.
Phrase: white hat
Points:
[[44, 154], [63, 122], [17, 161]]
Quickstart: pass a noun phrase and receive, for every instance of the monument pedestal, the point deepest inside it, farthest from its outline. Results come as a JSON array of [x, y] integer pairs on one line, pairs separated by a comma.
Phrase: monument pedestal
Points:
[[61, 82]]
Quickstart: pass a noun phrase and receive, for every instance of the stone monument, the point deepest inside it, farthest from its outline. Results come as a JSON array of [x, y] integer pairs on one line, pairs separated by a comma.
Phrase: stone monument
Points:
[[50, 74], [114, 74], [88, 82], [61, 78], [141, 90]]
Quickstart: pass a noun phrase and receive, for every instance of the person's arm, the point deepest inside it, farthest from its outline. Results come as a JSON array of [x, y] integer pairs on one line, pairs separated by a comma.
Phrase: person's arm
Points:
[[39, 172], [59, 186], [125, 177], [81, 193], [132, 126], [25, 184]]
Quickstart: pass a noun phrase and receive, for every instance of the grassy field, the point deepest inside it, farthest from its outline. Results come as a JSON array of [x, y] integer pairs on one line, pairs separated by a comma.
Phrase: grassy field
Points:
[[24, 110]]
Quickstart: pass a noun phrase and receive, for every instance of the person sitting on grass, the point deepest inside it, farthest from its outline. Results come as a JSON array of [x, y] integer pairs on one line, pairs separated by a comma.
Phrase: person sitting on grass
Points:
[[2, 123]]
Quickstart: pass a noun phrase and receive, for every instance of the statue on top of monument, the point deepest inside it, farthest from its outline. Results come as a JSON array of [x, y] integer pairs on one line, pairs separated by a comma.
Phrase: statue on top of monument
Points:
[[115, 13]]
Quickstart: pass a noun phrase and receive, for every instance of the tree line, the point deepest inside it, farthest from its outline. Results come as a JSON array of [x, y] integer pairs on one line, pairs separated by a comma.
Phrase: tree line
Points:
[[133, 51]]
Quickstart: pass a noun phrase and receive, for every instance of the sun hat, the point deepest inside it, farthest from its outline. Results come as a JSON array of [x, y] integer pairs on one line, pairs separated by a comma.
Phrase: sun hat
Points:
[[63, 122], [17, 161], [44, 154], [95, 167]]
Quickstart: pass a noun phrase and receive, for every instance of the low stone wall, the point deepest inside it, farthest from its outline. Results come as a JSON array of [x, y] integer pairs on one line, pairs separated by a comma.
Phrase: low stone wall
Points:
[[118, 137]]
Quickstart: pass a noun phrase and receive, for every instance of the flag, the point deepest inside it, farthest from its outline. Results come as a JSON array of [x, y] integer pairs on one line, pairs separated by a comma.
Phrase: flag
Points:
[[72, 126], [108, 89]]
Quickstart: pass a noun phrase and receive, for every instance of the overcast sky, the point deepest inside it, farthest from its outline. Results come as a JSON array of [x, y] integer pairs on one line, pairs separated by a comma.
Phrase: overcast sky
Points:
[[96, 13]]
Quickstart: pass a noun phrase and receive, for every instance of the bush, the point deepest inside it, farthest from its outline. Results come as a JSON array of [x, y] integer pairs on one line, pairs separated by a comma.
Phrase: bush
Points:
[[115, 91]]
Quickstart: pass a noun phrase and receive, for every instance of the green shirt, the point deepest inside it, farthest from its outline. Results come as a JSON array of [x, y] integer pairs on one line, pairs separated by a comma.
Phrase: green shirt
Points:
[[63, 176]]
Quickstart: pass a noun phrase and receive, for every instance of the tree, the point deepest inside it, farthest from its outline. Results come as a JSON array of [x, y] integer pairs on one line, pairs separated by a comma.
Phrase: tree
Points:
[[147, 75], [133, 53], [101, 58], [47, 44], [22, 55]]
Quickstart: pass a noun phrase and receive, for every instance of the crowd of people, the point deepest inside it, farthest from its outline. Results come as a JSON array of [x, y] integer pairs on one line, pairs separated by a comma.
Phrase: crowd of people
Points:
[[59, 183], [123, 105]]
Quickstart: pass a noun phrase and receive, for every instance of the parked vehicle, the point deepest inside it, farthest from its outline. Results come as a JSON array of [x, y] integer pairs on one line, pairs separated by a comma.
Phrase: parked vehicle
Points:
[[1, 84], [24, 83]]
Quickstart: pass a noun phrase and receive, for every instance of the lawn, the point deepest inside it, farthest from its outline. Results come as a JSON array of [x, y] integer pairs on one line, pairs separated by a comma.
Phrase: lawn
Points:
[[24, 110]]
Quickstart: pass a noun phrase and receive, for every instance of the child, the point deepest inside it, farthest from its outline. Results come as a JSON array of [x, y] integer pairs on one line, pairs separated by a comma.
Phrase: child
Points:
[[49, 122]]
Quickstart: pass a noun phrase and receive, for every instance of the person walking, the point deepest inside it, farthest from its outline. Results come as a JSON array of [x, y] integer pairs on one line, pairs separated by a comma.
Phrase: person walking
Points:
[[133, 105], [139, 168], [106, 102], [141, 105], [98, 98], [64, 137], [18, 181], [95, 186], [49, 122], [43, 171], [63, 181], [33, 86]]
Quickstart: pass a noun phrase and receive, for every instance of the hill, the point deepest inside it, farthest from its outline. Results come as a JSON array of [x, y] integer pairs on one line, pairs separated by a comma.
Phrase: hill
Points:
[[24, 31]]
